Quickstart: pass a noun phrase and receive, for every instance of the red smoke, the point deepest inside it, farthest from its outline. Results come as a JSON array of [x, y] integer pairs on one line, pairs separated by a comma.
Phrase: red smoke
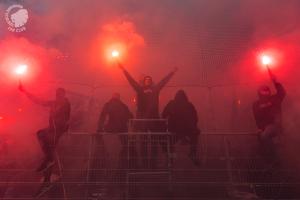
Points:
[[121, 36], [16, 51], [282, 54]]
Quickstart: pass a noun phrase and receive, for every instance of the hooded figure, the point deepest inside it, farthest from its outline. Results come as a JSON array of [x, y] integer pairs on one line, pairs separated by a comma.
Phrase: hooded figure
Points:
[[182, 122], [182, 115], [114, 116]]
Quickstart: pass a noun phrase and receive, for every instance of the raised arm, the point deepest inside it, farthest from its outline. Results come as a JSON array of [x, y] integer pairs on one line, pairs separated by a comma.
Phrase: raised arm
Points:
[[280, 90], [34, 98], [130, 79], [278, 86], [165, 80]]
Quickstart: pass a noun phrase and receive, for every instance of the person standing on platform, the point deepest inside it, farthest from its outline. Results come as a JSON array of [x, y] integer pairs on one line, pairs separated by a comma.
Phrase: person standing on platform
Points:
[[267, 113], [148, 108], [114, 118]]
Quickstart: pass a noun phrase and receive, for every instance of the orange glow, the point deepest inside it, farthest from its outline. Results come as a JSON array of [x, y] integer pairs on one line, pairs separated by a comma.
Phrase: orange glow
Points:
[[269, 58], [283, 57], [116, 36], [18, 67], [115, 54], [266, 60], [116, 51], [17, 54], [21, 69]]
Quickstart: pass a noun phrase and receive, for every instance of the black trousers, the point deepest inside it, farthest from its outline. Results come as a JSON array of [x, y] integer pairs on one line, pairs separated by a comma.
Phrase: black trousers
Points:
[[128, 150], [48, 139], [267, 146], [149, 143]]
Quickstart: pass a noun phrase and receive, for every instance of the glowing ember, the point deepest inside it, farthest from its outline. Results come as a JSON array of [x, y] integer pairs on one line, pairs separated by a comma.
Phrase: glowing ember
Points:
[[21, 69], [266, 60], [115, 53]]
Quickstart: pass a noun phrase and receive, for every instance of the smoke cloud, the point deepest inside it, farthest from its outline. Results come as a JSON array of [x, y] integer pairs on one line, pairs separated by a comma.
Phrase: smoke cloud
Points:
[[214, 44]]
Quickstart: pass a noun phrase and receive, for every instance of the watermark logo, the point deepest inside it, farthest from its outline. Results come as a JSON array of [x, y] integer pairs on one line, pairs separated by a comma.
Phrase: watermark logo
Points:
[[16, 17]]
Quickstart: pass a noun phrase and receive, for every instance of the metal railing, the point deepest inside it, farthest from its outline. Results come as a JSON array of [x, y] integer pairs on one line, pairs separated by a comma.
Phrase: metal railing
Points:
[[96, 166]]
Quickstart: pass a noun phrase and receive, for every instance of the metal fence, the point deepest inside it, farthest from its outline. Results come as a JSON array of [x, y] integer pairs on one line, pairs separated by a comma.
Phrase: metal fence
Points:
[[117, 166]]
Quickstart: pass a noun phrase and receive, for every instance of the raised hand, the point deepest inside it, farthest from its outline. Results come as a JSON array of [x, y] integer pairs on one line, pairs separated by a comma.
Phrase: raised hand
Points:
[[272, 76], [120, 66], [21, 87]]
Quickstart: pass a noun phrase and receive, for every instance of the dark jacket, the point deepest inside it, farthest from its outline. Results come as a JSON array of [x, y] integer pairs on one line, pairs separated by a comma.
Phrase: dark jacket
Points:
[[117, 115], [182, 116], [147, 97], [59, 114], [268, 111]]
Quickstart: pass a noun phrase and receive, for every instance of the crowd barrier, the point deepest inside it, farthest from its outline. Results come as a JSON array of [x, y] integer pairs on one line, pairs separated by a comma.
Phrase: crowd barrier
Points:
[[118, 166]]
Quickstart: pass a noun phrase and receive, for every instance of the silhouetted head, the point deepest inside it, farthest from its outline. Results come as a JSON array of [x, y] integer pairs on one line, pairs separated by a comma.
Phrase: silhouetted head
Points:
[[148, 81], [60, 94], [116, 96], [264, 92], [181, 96]]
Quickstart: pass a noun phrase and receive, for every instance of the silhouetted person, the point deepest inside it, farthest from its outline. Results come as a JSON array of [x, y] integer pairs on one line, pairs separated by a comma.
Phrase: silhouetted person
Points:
[[267, 113], [182, 122], [148, 108], [147, 94], [114, 116], [58, 124]]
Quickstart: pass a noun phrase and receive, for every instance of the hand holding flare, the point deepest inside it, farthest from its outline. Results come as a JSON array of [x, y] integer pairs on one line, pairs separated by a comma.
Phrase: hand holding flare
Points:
[[267, 60]]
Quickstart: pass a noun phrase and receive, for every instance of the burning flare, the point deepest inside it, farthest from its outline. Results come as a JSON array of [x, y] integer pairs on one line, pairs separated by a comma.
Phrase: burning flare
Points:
[[266, 60], [21, 69], [115, 54]]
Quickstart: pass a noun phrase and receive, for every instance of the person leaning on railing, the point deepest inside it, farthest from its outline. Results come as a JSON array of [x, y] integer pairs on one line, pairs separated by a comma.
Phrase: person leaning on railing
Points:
[[182, 122]]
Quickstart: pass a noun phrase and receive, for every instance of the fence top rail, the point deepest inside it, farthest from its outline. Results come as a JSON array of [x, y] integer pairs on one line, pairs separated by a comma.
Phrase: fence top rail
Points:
[[154, 119], [124, 133], [206, 133]]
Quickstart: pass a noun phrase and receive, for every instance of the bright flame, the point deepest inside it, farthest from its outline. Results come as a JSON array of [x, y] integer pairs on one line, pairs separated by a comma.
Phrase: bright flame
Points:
[[21, 69], [266, 60], [115, 53]]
